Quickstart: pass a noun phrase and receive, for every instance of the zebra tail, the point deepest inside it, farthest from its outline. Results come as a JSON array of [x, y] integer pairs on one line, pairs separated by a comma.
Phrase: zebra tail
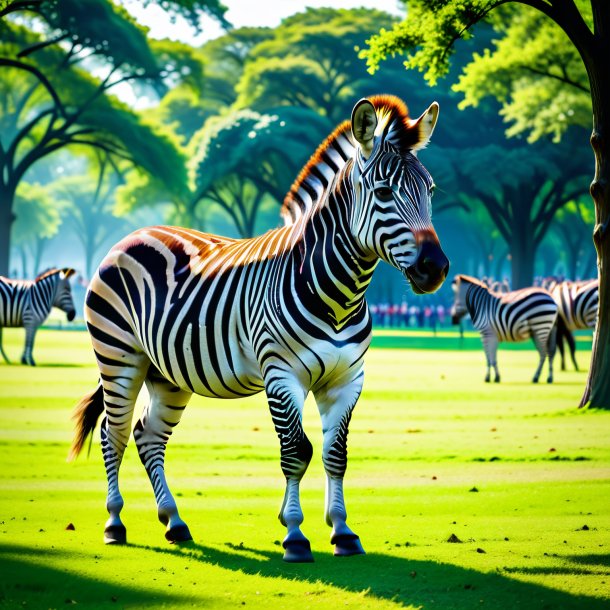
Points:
[[86, 414]]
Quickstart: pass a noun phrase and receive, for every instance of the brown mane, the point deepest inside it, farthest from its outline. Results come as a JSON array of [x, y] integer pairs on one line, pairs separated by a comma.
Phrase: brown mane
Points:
[[394, 125]]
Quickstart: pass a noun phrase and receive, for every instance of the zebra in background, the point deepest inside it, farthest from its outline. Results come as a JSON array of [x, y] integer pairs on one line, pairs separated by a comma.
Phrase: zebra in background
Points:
[[577, 302], [27, 303], [513, 316], [186, 312]]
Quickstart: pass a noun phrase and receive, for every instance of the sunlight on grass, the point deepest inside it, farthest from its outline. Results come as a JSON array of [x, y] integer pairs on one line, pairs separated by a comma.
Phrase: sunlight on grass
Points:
[[514, 471]]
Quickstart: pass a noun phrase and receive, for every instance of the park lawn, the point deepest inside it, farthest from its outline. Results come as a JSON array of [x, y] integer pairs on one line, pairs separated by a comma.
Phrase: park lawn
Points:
[[515, 471]]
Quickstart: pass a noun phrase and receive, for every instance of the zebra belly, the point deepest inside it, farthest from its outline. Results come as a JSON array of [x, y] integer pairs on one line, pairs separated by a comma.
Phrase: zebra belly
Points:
[[209, 363]]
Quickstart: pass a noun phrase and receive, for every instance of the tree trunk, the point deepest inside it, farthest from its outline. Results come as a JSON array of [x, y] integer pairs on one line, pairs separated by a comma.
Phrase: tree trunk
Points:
[[597, 390], [6, 222], [522, 251]]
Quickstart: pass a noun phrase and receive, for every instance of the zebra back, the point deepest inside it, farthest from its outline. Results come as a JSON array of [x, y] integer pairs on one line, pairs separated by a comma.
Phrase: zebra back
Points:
[[578, 302]]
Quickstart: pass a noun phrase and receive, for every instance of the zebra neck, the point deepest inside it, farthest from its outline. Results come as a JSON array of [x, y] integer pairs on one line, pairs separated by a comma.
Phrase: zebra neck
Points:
[[334, 271], [479, 302]]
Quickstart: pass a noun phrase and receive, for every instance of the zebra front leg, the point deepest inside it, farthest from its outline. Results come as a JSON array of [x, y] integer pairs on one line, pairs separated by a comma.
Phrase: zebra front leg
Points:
[[336, 404], [151, 433], [490, 346], [30, 334], [286, 406]]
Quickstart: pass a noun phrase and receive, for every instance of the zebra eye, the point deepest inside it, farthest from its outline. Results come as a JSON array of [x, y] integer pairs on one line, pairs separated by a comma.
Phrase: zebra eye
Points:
[[384, 193]]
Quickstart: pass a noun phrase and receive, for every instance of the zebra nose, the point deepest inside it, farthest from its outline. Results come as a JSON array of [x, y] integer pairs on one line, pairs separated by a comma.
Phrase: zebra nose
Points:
[[71, 315], [430, 268]]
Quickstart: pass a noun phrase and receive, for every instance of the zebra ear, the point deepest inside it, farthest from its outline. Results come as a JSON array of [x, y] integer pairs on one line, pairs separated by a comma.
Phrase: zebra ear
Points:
[[66, 273], [364, 122], [425, 126]]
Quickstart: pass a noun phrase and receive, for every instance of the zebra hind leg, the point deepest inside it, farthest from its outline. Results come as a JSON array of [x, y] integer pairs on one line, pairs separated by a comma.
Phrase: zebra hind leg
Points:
[[121, 386], [30, 334], [286, 408], [551, 347], [151, 433], [541, 346], [2, 352]]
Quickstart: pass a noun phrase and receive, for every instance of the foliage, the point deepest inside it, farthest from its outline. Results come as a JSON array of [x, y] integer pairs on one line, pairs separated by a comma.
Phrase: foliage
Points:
[[310, 61], [38, 213], [243, 156], [535, 70]]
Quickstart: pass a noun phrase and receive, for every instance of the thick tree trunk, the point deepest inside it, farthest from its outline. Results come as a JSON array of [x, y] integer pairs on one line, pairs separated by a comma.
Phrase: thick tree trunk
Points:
[[597, 391], [522, 251]]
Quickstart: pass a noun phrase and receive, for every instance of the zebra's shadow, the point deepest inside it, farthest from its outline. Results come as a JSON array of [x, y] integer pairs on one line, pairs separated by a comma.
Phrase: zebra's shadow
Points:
[[410, 583]]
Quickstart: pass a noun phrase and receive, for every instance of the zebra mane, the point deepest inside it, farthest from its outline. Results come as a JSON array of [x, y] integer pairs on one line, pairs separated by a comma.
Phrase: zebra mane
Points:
[[310, 189], [52, 271], [472, 280]]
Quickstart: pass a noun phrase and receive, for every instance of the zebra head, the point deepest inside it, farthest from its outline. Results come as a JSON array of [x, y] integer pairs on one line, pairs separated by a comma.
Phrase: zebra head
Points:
[[391, 217], [63, 294], [460, 286]]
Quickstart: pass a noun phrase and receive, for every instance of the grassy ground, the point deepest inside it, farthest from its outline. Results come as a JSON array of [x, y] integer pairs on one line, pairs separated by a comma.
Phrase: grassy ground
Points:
[[517, 473]]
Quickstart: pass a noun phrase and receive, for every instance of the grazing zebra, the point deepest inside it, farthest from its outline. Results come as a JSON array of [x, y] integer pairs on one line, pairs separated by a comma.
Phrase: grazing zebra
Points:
[[186, 312], [27, 303], [512, 316], [578, 303]]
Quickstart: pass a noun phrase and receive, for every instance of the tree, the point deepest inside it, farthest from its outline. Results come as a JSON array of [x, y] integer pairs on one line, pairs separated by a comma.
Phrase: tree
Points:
[[88, 206], [246, 156], [428, 35], [38, 218], [572, 227], [51, 101], [310, 62]]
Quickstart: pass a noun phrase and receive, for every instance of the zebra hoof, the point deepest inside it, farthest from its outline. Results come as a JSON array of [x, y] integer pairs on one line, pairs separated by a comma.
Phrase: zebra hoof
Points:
[[497, 380], [535, 380], [297, 548], [115, 534], [347, 545], [549, 380], [178, 533]]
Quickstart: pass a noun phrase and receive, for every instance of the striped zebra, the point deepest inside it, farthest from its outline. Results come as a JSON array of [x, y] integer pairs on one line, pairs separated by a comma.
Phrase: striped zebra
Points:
[[578, 303], [27, 303], [186, 312], [512, 316]]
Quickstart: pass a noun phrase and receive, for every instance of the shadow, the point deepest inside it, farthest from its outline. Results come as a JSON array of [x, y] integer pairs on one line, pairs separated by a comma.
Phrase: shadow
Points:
[[411, 583], [29, 580], [600, 561]]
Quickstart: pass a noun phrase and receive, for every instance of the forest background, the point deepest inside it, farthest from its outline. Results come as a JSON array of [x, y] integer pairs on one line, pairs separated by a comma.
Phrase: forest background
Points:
[[104, 128]]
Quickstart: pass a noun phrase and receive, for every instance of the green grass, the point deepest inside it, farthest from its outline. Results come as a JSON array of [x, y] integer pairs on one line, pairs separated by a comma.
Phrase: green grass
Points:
[[426, 433]]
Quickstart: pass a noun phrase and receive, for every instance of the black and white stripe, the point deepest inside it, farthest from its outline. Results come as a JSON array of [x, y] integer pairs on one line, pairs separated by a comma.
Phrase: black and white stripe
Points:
[[578, 304], [512, 316], [186, 312], [27, 303]]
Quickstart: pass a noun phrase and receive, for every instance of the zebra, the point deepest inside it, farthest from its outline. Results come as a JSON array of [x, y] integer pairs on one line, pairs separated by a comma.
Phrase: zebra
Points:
[[578, 302], [27, 303], [187, 312], [512, 316]]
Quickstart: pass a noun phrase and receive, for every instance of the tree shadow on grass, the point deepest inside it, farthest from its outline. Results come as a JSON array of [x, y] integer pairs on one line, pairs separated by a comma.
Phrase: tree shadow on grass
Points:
[[422, 584], [29, 580]]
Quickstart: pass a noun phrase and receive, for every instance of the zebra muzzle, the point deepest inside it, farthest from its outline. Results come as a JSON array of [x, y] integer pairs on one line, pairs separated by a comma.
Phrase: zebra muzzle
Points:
[[430, 268]]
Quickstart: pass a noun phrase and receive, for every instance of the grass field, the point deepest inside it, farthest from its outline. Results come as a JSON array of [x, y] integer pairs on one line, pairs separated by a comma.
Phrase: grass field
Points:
[[515, 471]]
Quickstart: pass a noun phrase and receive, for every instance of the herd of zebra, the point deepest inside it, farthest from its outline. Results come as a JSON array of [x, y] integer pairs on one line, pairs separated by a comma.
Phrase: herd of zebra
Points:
[[186, 312], [549, 314]]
